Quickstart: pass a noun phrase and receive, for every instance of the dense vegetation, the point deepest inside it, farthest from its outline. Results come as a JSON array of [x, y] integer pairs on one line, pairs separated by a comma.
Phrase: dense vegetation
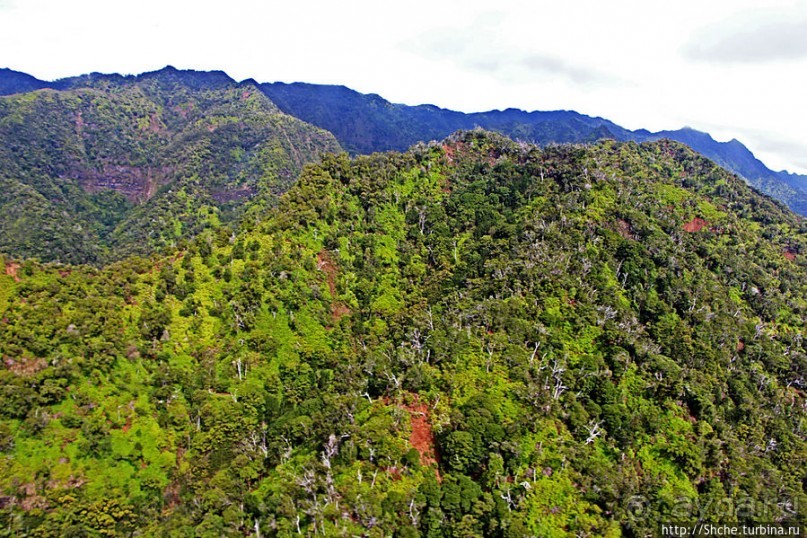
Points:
[[368, 123], [473, 338], [362, 123], [108, 166]]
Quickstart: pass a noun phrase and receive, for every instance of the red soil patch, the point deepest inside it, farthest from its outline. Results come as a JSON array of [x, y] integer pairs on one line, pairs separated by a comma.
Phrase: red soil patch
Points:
[[422, 438], [155, 125], [450, 151], [624, 229], [695, 225], [326, 264], [171, 495], [11, 270], [184, 110], [31, 500], [71, 483], [159, 264], [34, 502], [172, 491], [394, 473], [339, 309], [128, 426], [25, 367]]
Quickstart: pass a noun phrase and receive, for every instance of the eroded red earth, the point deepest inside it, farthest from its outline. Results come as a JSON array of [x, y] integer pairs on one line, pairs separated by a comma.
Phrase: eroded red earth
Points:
[[328, 266], [695, 225], [11, 270]]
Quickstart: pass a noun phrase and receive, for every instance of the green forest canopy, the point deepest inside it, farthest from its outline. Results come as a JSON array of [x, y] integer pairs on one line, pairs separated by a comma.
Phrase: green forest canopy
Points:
[[110, 166], [472, 338]]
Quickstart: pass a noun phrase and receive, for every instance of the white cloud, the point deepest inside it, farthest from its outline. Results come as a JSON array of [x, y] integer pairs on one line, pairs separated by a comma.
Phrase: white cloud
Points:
[[635, 62], [482, 47], [753, 36]]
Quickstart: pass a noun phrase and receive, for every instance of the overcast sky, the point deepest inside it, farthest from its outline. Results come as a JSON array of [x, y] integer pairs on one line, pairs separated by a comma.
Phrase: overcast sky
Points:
[[734, 68]]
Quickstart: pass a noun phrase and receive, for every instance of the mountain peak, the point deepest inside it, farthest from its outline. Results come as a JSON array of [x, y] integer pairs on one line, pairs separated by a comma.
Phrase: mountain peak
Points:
[[557, 318], [366, 123], [190, 77], [12, 81]]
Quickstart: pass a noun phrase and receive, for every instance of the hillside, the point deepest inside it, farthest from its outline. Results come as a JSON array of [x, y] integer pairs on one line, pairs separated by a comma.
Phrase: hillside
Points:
[[791, 189], [368, 123], [101, 166], [16, 82], [472, 338]]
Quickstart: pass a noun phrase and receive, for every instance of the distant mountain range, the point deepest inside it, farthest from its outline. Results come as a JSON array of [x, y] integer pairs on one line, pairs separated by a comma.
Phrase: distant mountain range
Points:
[[109, 165], [367, 123]]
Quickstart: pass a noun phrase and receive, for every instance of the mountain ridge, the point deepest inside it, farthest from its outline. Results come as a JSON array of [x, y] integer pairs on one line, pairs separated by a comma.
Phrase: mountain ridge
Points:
[[376, 117], [111, 165], [366, 123], [476, 337]]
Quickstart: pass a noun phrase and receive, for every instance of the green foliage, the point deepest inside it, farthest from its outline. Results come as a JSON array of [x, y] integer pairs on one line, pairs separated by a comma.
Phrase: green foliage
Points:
[[367, 123], [473, 338], [109, 167]]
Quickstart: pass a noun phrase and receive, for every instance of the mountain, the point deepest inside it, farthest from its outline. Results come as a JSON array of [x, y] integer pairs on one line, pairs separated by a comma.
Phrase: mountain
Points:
[[16, 82], [798, 182], [89, 209], [368, 123], [97, 167], [476, 337], [734, 156]]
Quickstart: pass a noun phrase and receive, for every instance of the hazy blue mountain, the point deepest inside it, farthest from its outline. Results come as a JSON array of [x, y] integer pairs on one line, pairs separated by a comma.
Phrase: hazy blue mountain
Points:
[[15, 82], [797, 181], [367, 123], [734, 156]]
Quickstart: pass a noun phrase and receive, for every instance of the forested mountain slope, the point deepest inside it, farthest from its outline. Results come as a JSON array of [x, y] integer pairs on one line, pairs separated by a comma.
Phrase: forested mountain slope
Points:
[[368, 123], [472, 338], [791, 189], [16, 82], [105, 165]]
